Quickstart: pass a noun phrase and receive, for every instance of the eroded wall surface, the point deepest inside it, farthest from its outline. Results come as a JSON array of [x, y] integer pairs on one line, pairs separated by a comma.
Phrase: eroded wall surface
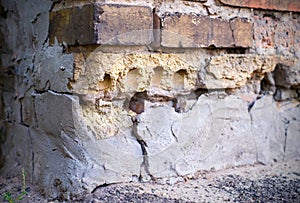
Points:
[[103, 92]]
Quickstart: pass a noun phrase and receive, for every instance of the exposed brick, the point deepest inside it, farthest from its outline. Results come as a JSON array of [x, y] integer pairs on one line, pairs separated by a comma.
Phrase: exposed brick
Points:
[[188, 30], [124, 24], [281, 5], [264, 32], [296, 23], [102, 24], [242, 32], [73, 25], [272, 33]]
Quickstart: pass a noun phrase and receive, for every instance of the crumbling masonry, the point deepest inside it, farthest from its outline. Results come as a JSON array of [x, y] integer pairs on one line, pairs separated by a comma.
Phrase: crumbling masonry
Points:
[[107, 91]]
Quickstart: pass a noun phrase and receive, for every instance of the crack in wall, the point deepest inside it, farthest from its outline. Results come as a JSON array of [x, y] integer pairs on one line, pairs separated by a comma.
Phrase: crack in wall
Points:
[[174, 135], [286, 126], [232, 31], [40, 92], [250, 107], [251, 124], [143, 144], [32, 155]]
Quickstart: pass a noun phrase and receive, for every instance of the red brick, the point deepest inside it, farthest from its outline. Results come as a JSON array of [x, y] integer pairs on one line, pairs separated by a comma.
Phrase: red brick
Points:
[[296, 28], [281, 5], [189, 30], [242, 32], [102, 24], [272, 33], [124, 24], [264, 32]]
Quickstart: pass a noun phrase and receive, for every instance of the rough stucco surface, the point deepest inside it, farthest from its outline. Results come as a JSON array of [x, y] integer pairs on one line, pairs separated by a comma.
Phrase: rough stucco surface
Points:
[[76, 117]]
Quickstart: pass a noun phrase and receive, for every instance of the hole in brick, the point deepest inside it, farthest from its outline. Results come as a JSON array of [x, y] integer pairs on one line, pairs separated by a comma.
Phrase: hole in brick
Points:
[[157, 76], [131, 80], [179, 79], [137, 102], [106, 83]]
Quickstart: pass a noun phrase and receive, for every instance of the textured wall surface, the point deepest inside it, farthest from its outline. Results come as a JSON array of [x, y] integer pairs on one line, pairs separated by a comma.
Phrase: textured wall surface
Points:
[[107, 91]]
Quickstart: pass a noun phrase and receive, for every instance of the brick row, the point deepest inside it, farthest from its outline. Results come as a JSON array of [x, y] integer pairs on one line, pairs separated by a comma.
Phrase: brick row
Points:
[[102, 24], [281, 5], [116, 24], [189, 30]]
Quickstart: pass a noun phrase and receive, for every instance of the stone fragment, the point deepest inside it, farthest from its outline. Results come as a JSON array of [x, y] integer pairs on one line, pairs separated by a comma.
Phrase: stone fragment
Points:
[[209, 135], [214, 134], [292, 148], [56, 113], [189, 30], [159, 127], [115, 159], [285, 94], [268, 134], [106, 119], [53, 70], [233, 70], [286, 5], [287, 76], [52, 153], [291, 118], [69, 137], [102, 24]]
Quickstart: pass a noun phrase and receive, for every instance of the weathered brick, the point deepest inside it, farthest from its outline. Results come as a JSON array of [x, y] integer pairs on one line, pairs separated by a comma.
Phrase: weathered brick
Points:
[[242, 32], [102, 24], [296, 23], [73, 25], [124, 24], [281, 5], [199, 31], [272, 33]]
